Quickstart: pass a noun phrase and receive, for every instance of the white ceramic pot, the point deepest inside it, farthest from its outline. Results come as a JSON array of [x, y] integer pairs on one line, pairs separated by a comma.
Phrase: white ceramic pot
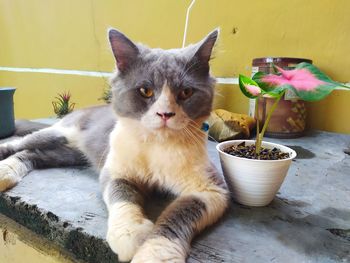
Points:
[[254, 182]]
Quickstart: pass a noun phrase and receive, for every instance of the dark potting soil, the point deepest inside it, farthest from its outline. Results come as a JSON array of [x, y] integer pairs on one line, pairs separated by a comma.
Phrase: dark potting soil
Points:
[[248, 151]]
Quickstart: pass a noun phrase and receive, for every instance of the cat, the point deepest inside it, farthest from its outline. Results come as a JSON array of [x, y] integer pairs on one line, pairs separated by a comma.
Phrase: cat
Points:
[[149, 137]]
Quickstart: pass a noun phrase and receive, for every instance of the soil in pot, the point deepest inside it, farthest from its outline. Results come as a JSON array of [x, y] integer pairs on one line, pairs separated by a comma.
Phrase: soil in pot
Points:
[[248, 151]]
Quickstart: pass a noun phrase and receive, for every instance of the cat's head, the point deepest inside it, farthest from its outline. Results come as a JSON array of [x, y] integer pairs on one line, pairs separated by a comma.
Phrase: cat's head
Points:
[[165, 90]]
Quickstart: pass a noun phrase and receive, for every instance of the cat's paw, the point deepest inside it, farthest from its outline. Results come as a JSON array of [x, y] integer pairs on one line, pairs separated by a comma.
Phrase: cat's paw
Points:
[[160, 250], [9, 175], [4, 152], [9, 148], [125, 239]]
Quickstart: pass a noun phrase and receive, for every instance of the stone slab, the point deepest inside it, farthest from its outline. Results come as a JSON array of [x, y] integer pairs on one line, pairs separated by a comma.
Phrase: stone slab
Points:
[[308, 221]]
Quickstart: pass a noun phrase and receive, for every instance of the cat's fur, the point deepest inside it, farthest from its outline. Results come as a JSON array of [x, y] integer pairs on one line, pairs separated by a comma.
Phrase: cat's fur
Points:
[[156, 143]]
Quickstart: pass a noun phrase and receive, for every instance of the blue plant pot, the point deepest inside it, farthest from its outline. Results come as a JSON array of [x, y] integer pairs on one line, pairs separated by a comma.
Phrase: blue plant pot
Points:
[[7, 118]]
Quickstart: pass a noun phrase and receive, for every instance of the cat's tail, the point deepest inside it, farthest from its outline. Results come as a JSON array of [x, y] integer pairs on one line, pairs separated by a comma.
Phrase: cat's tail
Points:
[[25, 127]]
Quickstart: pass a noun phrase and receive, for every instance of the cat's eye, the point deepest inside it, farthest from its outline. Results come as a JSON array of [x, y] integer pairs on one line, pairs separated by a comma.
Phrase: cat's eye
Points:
[[146, 92], [185, 93]]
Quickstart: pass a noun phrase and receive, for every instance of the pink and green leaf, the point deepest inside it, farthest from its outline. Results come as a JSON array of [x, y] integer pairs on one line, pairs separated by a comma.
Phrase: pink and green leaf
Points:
[[271, 90], [306, 80], [249, 87]]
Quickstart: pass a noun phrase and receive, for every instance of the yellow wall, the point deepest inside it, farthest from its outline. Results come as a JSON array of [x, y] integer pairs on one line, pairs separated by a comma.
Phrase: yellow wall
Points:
[[69, 34]]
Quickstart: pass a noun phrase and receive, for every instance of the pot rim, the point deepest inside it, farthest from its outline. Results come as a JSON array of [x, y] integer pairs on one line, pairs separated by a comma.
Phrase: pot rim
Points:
[[7, 88], [220, 145]]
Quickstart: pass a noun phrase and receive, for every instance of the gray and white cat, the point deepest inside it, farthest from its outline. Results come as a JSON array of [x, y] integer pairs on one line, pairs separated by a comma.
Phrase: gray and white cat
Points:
[[149, 137]]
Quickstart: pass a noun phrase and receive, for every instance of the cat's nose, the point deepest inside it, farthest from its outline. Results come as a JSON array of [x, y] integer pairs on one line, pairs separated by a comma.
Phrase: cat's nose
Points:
[[166, 115]]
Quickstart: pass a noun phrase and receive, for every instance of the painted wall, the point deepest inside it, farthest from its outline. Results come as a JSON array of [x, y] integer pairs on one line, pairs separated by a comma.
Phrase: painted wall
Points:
[[72, 35]]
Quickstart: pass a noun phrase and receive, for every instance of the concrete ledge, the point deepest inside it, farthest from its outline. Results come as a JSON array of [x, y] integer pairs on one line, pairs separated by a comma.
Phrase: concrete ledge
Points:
[[45, 210], [308, 221]]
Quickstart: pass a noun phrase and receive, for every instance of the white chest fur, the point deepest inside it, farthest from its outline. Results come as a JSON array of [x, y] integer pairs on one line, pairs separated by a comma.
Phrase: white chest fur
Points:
[[157, 159]]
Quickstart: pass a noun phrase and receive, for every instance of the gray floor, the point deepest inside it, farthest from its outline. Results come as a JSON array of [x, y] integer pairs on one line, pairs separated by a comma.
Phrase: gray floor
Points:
[[308, 221]]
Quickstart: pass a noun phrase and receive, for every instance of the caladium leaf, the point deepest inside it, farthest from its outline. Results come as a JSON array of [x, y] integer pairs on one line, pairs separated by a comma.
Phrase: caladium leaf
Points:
[[249, 87], [272, 90], [306, 80]]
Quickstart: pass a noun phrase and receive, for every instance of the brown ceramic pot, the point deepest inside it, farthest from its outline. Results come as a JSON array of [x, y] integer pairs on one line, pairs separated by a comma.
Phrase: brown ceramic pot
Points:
[[289, 118]]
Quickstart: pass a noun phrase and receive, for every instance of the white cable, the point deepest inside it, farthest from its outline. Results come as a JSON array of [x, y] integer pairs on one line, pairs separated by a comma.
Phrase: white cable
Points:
[[186, 22]]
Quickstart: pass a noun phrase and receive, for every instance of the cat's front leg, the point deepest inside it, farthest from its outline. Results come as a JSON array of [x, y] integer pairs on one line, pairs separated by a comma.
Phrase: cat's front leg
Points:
[[178, 224], [127, 225]]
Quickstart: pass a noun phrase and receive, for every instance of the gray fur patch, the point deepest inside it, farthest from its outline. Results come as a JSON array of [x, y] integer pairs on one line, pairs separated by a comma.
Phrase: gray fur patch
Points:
[[124, 190], [120, 189], [5, 151], [25, 127], [178, 220], [95, 125], [42, 139], [61, 156]]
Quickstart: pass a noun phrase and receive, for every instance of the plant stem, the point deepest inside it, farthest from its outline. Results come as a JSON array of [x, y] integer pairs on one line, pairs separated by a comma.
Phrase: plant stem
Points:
[[257, 142], [261, 135]]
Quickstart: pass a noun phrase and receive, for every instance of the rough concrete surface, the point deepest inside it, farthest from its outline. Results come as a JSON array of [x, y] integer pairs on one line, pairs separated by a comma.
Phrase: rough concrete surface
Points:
[[308, 221]]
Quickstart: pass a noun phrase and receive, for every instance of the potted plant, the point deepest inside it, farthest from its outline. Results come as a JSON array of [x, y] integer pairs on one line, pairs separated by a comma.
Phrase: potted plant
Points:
[[62, 106], [7, 121], [254, 169]]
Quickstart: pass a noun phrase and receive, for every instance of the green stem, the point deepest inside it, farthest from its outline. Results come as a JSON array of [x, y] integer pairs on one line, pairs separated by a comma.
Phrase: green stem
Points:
[[257, 142], [261, 135]]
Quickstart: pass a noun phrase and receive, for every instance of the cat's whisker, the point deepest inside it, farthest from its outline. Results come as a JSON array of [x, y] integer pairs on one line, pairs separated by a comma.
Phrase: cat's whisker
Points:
[[189, 136], [199, 142], [193, 141], [217, 93], [198, 134], [195, 126]]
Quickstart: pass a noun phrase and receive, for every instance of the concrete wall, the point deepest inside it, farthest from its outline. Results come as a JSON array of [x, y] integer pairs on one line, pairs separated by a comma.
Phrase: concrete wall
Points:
[[69, 34]]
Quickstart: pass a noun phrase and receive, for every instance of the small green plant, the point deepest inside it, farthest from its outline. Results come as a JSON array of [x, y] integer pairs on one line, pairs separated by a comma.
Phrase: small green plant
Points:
[[107, 95], [306, 81], [62, 106]]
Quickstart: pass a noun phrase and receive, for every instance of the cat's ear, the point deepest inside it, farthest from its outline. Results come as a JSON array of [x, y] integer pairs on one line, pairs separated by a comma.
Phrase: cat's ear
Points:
[[124, 50], [204, 51]]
